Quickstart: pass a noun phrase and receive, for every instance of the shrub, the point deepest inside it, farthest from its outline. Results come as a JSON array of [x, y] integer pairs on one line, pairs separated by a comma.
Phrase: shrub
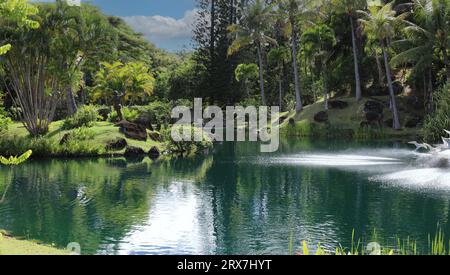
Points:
[[438, 121], [182, 147], [4, 122], [85, 117], [157, 112], [129, 114]]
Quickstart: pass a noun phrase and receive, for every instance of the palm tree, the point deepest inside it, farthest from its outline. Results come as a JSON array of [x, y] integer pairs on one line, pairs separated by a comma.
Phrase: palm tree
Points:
[[245, 73], [296, 11], [319, 42], [350, 8], [256, 20], [381, 23], [278, 58]]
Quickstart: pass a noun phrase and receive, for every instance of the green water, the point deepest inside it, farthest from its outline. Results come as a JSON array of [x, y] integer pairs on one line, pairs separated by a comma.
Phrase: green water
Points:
[[233, 201]]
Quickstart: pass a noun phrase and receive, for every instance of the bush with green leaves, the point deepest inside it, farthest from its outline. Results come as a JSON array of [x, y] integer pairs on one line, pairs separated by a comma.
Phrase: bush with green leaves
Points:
[[86, 116], [129, 114], [4, 122], [187, 146], [439, 120]]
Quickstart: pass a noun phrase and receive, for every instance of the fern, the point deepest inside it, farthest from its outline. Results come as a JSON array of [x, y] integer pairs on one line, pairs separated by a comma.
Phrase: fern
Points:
[[14, 160]]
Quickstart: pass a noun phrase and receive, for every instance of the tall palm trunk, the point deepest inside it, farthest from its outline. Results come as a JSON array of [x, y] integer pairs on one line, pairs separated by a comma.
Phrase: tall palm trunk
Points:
[[71, 103], [355, 60], [261, 74], [380, 71], [396, 121], [280, 94], [325, 88], [298, 98]]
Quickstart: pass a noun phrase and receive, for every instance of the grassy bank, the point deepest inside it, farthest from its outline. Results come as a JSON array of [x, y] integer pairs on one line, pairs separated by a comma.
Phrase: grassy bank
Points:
[[90, 141], [12, 246], [346, 123]]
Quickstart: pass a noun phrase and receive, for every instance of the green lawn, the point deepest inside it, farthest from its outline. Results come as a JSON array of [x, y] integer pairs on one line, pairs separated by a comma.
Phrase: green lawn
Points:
[[103, 133], [12, 246]]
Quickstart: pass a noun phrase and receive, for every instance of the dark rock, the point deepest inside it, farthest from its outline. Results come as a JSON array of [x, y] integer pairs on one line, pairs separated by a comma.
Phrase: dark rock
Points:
[[321, 117], [133, 130], [442, 163], [156, 136], [154, 153], [283, 119], [372, 106], [398, 88], [145, 121], [104, 113], [292, 122], [413, 122], [134, 151], [337, 104], [389, 123], [117, 144], [65, 139], [374, 118]]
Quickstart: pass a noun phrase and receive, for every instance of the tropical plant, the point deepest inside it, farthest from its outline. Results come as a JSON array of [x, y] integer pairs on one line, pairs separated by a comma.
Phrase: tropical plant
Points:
[[86, 116], [119, 83], [245, 73], [255, 23], [440, 118], [16, 160], [278, 57], [318, 43], [295, 12], [383, 23], [16, 14]]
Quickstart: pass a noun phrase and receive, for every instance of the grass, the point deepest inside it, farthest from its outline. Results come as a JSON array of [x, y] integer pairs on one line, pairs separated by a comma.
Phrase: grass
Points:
[[437, 246], [16, 140], [345, 122], [12, 246]]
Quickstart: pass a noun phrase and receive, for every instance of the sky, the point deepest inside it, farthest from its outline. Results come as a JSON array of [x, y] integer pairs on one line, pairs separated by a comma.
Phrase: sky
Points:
[[166, 23]]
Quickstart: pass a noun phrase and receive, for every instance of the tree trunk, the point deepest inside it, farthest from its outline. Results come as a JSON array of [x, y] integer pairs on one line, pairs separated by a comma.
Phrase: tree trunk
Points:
[[396, 121], [355, 59], [380, 71], [298, 98], [280, 93], [261, 74], [325, 89], [71, 103], [446, 63]]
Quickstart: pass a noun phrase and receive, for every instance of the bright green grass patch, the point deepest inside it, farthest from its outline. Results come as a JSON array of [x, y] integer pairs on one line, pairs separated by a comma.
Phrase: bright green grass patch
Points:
[[11, 246], [16, 141]]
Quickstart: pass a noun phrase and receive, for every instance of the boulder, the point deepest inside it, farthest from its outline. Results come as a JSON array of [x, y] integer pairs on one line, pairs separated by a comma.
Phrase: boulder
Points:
[[117, 144], [145, 121], [134, 152], [154, 153], [292, 122], [337, 104], [413, 122], [374, 118], [65, 139], [156, 136], [133, 130], [321, 117], [372, 106]]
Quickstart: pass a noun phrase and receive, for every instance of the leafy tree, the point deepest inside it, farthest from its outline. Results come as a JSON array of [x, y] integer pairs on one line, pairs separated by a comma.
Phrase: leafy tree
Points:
[[16, 14], [256, 21], [245, 73], [382, 22], [319, 42], [119, 83], [297, 12], [278, 57]]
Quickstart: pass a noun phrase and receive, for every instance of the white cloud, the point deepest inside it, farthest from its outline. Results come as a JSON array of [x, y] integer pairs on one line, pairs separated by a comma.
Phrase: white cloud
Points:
[[166, 32]]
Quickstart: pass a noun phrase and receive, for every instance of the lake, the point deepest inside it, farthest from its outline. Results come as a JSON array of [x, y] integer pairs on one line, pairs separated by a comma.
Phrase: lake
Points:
[[233, 201]]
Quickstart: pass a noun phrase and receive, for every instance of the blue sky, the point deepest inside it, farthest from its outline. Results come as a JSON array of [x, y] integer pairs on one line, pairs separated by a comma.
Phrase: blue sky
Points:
[[166, 23]]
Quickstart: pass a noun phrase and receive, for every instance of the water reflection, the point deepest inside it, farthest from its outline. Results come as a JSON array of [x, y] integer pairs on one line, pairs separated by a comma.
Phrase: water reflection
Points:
[[231, 202]]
